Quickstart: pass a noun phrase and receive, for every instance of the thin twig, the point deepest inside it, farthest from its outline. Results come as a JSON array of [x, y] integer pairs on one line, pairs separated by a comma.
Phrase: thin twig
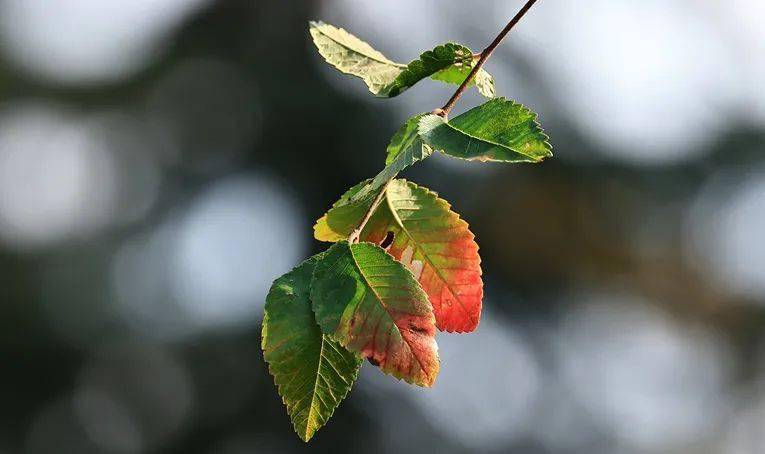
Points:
[[354, 236], [444, 111]]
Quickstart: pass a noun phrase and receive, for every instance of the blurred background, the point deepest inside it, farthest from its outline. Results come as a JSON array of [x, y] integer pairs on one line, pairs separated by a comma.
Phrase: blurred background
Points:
[[162, 161]]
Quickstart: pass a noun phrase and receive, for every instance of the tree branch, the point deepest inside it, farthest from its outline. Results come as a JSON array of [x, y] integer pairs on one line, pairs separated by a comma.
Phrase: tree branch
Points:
[[354, 236], [444, 111]]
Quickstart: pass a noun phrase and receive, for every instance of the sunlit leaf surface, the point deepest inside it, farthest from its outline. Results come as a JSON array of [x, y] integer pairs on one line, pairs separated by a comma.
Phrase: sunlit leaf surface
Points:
[[372, 305], [498, 130], [448, 62], [430, 239]]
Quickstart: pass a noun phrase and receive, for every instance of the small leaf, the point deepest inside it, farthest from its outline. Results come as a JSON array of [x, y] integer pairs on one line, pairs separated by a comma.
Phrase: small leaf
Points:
[[344, 216], [373, 306], [405, 149], [483, 81], [450, 55], [313, 373], [386, 78], [406, 146], [353, 56], [431, 240], [498, 130]]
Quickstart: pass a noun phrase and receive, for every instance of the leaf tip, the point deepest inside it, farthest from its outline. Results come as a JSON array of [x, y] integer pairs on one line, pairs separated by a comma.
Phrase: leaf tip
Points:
[[315, 25], [305, 436]]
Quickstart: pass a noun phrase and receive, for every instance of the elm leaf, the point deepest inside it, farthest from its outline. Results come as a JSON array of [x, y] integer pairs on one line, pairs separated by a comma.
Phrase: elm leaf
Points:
[[429, 239], [312, 372], [353, 56], [373, 306], [446, 56], [405, 149], [448, 62], [344, 216], [483, 81], [498, 130]]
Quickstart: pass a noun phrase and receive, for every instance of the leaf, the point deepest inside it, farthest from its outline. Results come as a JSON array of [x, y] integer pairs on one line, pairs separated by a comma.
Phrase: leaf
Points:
[[498, 130], [313, 373], [439, 249], [405, 149], [373, 306], [405, 146], [431, 240], [353, 56], [483, 81], [449, 55], [344, 216], [386, 78]]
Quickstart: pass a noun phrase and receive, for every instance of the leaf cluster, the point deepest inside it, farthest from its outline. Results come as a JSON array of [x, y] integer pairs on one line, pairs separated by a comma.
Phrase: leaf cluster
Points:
[[403, 264]]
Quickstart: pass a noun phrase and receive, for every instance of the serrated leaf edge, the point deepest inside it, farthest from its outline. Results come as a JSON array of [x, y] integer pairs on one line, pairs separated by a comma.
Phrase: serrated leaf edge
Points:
[[459, 219], [317, 25], [427, 120], [431, 380], [419, 287], [279, 387]]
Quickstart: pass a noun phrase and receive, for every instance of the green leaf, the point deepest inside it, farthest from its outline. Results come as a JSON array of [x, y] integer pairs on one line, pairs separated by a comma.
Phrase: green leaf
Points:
[[313, 373], [344, 216], [405, 149], [498, 130], [431, 241], [449, 55], [385, 78], [483, 81], [372, 305]]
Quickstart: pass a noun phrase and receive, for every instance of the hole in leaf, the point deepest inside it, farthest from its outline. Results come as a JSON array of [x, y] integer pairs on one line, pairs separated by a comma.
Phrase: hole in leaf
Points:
[[388, 240]]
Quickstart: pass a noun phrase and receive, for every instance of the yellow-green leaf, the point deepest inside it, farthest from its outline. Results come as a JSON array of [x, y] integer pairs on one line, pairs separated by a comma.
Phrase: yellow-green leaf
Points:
[[405, 149], [385, 78]]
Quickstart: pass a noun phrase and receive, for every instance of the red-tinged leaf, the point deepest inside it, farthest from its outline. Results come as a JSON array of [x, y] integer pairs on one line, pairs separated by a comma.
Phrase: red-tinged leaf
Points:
[[372, 305], [431, 240], [405, 148], [439, 249]]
